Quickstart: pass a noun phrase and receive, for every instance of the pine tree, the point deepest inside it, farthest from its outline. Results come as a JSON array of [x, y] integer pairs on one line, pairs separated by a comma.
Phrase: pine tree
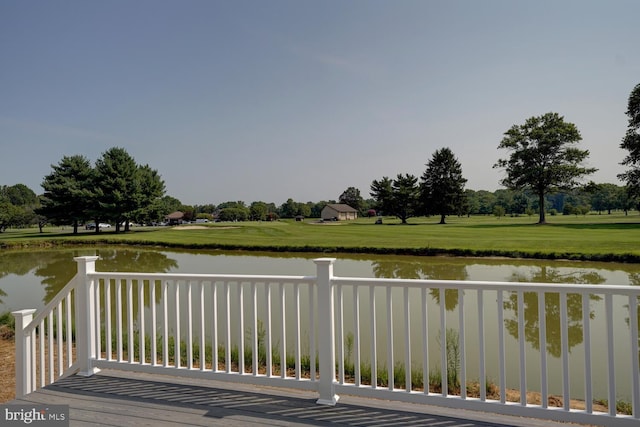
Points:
[[68, 193], [631, 143], [442, 185]]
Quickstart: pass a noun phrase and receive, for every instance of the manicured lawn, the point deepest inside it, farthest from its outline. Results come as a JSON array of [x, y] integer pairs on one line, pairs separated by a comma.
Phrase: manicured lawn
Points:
[[603, 237]]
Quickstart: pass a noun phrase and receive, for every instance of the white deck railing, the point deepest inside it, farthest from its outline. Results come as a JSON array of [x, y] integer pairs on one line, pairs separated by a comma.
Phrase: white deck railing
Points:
[[294, 331]]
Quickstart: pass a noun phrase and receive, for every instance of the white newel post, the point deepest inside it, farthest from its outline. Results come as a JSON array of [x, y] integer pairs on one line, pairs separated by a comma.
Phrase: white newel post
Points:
[[85, 316], [24, 353], [326, 333]]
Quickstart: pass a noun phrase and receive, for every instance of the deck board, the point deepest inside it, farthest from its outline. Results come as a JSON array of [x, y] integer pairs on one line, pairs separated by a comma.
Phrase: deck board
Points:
[[112, 398]]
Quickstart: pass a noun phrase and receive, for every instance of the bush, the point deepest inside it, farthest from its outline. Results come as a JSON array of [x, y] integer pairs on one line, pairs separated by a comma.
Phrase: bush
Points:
[[7, 326]]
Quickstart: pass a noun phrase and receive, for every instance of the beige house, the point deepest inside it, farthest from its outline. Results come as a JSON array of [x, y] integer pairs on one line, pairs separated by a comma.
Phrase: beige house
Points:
[[338, 212]]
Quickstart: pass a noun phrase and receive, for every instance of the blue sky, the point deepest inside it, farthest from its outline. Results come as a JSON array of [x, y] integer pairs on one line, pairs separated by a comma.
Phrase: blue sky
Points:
[[270, 100]]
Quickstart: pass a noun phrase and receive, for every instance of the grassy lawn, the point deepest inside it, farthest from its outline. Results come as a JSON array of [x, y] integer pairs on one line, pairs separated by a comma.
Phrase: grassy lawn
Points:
[[614, 237]]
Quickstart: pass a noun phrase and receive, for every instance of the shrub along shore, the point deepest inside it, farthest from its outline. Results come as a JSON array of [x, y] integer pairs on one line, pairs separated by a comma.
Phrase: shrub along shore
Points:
[[612, 238]]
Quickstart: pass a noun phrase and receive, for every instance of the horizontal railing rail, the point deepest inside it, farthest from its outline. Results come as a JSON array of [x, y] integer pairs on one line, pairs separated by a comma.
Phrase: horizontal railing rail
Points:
[[464, 344]]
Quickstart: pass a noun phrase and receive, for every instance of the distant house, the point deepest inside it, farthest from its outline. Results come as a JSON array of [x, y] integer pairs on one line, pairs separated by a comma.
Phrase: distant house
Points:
[[338, 212], [174, 218]]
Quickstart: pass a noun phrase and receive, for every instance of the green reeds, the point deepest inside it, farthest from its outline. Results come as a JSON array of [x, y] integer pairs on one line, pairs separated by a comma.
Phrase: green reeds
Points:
[[433, 381]]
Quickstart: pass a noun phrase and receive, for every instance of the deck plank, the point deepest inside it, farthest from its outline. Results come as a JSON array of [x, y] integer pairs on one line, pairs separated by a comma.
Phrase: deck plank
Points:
[[113, 398]]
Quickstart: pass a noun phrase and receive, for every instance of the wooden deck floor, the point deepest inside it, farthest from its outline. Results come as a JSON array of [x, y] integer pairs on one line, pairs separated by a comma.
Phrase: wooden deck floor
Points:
[[130, 399]]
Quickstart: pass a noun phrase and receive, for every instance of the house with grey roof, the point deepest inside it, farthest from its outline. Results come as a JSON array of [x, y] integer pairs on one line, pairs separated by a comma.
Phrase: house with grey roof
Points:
[[338, 212]]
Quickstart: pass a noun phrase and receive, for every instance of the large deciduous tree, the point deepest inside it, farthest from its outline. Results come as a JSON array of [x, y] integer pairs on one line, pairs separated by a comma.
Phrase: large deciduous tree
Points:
[[233, 211], [351, 196], [289, 209], [605, 197], [167, 205], [442, 185], [68, 192], [19, 195], [258, 211], [19, 203], [631, 143], [543, 157], [9, 214]]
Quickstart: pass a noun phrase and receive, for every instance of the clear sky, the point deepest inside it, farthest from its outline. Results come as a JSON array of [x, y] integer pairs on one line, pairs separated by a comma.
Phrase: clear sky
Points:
[[273, 99]]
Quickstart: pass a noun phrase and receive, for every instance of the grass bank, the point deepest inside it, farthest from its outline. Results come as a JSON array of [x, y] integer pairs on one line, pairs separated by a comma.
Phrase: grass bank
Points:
[[613, 237]]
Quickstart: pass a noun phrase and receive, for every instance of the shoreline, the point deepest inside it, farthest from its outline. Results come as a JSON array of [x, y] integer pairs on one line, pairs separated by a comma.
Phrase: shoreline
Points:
[[364, 250]]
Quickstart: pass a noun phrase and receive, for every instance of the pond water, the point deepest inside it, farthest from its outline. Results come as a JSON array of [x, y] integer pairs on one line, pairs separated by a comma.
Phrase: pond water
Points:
[[29, 279]]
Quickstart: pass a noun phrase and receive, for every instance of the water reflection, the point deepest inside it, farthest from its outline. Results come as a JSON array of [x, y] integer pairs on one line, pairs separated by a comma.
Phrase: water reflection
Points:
[[55, 274], [552, 319], [21, 262], [29, 276], [634, 278], [545, 274], [55, 268], [132, 260], [424, 268], [537, 273]]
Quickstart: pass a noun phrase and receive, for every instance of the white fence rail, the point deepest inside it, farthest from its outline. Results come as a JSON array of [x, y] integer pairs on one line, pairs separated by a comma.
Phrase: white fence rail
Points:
[[424, 341]]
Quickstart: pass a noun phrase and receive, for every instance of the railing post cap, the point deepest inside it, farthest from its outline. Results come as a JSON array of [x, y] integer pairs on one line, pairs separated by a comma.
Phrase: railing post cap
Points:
[[87, 258], [321, 261], [24, 312]]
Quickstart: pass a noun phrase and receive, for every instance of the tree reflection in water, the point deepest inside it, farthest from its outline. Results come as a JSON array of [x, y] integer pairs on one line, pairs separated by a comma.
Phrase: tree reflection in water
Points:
[[424, 269], [137, 261], [57, 268], [19, 263], [544, 274], [132, 260], [634, 278], [56, 273]]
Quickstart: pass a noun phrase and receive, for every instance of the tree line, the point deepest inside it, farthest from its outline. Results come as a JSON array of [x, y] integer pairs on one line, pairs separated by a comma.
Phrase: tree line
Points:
[[116, 189], [544, 162], [18, 205], [543, 159], [543, 171], [602, 198]]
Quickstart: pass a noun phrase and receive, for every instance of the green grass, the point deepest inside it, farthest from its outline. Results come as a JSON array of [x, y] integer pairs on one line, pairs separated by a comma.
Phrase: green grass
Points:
[[592, 237]]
